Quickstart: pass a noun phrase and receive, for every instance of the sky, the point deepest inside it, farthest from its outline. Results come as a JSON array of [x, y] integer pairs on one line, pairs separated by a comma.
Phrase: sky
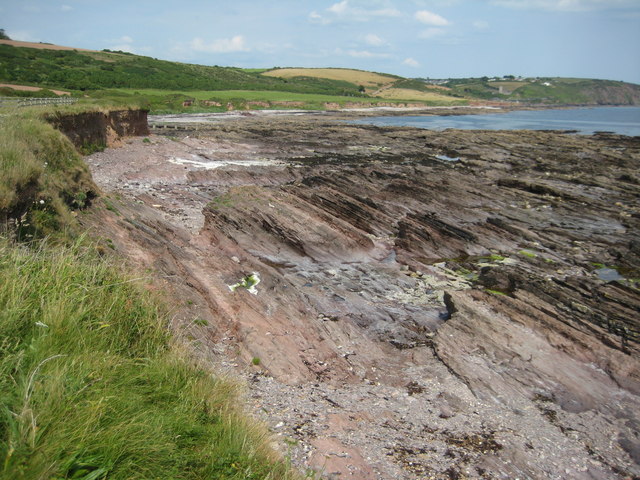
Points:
[[411, 38]]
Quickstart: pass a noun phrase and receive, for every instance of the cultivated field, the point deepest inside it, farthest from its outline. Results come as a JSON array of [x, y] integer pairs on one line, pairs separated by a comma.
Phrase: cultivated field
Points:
[[358, 77], [41, 46], [409, 94], [27, 88]]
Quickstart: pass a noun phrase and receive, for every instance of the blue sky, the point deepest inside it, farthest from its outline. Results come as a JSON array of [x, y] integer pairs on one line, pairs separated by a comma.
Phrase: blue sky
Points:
[[414, 38]]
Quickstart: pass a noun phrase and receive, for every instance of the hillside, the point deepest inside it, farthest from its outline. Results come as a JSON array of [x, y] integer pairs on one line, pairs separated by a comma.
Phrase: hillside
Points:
[[90, 70], [547, 90], [507, 89], [120, 76]]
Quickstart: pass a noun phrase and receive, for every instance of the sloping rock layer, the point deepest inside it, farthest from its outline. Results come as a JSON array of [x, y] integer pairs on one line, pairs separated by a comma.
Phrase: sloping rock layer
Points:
[[458, 304]]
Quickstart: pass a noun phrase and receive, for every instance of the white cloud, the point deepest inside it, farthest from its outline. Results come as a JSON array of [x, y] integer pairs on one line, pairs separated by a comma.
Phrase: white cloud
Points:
[[123, 44], [21, 35], [566, 5], [430, 18], [437, 3], [271, 48], [66, 8], [481, 25], [344, 11], [125, 47], [360, 53], [315, 17], [411, 62], [432, 32], [222, 45], [338, 8], [374, 40], [386, 12], [366, 54]]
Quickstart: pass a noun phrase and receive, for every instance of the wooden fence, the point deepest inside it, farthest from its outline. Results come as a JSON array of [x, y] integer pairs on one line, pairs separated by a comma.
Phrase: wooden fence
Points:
[[28, 102]]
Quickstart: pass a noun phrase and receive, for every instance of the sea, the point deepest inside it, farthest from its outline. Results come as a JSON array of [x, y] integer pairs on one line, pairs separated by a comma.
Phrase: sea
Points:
[[620, 120]]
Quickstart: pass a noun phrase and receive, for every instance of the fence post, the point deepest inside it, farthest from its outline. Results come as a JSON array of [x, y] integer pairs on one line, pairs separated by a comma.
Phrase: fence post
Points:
[[26, 102]]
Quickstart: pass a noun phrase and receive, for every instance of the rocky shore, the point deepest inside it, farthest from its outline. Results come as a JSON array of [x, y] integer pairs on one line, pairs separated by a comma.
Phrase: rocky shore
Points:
[[457, 304]]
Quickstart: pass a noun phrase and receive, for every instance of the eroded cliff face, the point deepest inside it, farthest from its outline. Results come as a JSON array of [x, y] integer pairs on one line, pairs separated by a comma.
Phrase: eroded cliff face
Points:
[[624, 94], [431, 304], [92, 130]]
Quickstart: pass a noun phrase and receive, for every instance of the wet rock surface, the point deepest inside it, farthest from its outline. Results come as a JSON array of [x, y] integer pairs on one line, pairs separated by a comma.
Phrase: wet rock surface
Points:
[[416, 317]]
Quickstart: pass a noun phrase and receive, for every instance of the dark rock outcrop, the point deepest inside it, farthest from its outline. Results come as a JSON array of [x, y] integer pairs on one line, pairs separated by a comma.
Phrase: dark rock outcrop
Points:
[[100, 129]]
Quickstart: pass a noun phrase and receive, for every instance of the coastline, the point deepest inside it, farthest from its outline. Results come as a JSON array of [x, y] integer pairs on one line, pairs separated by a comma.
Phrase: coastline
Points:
[[435, 109], [427, 299]]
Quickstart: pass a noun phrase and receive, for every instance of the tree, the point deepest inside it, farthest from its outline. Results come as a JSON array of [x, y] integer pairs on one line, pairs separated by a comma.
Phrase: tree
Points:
[[3, 36]]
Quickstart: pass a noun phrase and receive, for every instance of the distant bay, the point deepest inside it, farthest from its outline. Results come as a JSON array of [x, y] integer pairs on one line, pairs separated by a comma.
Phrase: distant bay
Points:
[[620, 120]]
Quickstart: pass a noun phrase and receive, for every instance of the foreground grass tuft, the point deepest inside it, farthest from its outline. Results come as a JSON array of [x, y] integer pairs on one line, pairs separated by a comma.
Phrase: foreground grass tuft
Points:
[[91, 386]]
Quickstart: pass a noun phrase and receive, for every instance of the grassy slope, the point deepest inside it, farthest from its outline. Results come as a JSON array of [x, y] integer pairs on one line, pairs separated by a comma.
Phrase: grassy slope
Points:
[[170, 100], [91, 70], [91, 384]]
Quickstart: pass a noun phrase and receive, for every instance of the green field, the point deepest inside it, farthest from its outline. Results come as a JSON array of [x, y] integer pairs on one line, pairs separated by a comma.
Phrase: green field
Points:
[[250, 95], [83, 71], [166, 101]]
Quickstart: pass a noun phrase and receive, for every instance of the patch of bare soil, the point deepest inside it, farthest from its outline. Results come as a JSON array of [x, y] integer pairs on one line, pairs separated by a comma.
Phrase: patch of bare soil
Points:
[[42, 46], [416, 304], [26, 88]]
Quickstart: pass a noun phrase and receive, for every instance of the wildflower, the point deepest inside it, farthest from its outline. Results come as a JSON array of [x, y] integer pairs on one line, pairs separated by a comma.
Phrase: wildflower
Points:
[[249, 282]]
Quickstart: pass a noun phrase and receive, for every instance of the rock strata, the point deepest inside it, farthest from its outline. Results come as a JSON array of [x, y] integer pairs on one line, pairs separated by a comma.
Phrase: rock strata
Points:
[[458, 304]]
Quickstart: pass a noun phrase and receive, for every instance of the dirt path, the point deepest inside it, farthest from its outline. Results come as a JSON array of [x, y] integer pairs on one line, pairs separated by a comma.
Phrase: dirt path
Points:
[[415, 317]]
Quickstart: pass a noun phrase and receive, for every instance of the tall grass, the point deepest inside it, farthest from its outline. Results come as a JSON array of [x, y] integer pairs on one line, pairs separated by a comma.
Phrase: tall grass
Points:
[[91, 386], [42, 177], [18, 170]]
